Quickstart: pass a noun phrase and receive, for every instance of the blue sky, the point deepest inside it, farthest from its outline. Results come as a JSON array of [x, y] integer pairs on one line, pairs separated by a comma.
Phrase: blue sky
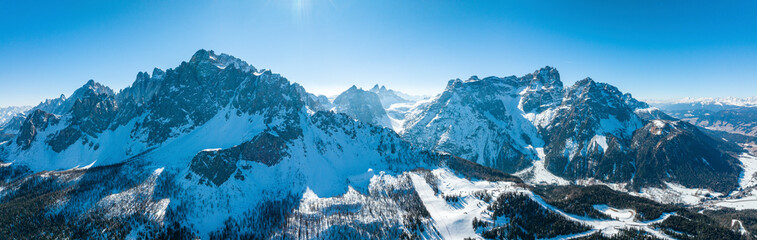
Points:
[[653, 49]]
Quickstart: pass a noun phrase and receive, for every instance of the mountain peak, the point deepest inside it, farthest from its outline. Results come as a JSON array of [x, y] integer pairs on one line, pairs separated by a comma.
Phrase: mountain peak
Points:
[[547, 69], [221, 61], [95, 87], [548, 72], [585, 82], [362, 105], [378, 88], [157, 72], [546, 76], [202, 54]]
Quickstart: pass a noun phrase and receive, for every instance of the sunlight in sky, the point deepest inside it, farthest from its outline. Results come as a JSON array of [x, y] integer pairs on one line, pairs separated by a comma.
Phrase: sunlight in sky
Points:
[[655, 50]]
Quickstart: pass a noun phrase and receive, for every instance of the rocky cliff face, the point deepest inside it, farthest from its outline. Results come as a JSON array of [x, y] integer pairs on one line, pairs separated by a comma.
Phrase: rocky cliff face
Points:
[[212, 125], [589, 136], [63, 104], [216, 149], [37, 121], [484, 120], [364, 106], [590, 130]]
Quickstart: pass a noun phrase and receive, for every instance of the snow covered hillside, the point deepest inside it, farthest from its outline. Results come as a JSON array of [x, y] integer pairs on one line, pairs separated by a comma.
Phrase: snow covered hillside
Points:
[[217, 149], [589, 131]]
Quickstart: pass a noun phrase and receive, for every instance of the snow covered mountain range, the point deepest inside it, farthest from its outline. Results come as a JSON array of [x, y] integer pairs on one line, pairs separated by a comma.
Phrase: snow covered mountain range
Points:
[[7, 113], [218, 149], [712, 103], [729, 118]]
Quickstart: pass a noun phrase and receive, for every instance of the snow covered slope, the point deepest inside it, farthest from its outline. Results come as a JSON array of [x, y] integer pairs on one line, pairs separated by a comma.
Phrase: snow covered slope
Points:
[[216, 149], [589, 131], [484, 120]]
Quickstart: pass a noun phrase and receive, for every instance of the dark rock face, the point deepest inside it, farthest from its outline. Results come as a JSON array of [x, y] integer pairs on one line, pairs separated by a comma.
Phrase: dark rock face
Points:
[[676, 151], [265, 148], [187, 97], [275, 98], [598, 133], [91, 114], [545, 90], [144, 88], [362, 105], [174, 102], [191, 94], [63, 105], [590, 135], [38, 120], [217, 166]]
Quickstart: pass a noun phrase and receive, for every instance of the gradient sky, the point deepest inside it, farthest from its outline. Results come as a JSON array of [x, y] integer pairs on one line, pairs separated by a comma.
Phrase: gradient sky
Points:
[[653, 49]]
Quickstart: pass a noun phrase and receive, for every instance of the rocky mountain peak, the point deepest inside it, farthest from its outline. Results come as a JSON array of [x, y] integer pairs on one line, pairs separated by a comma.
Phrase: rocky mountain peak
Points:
[[202, 55], [389, 96], [543, 90], [548, 76], [376, 88], [92, 86], [362, 105], [143, 88], [209, 59], [158, 73], [37, 120], [63, 104], [588, 89], [586, 82], [453, 83]]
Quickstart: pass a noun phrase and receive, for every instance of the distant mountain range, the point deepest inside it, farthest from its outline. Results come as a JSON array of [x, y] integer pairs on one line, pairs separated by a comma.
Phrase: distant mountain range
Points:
[[734, 119], [705, 103], [7, 113], [218, 149]]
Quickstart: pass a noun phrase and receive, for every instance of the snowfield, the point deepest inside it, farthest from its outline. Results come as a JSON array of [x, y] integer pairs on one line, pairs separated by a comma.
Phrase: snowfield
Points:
[[538, 174], [453, 220]]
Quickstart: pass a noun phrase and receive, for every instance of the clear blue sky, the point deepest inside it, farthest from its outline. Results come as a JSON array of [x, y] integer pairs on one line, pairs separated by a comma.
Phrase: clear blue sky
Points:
[[653, 49]]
